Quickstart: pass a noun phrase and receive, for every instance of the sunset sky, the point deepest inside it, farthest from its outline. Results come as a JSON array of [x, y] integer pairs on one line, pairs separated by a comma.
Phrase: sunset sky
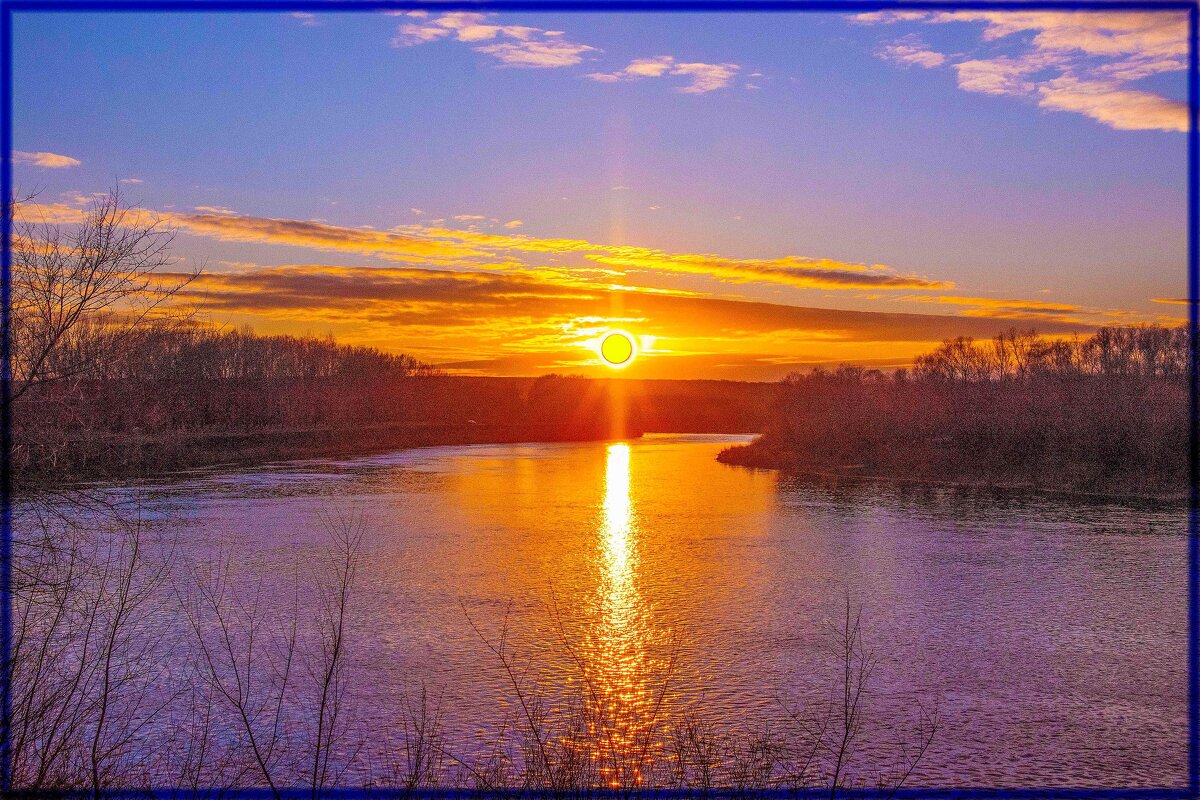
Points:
[[750, 194]]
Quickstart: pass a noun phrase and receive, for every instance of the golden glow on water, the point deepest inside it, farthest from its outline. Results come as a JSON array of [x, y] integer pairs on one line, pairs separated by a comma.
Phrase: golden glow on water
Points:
[[616, 661], [618, 518]]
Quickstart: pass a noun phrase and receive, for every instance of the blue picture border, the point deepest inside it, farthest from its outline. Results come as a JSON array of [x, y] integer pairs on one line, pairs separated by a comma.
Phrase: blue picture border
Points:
[[9, 7]]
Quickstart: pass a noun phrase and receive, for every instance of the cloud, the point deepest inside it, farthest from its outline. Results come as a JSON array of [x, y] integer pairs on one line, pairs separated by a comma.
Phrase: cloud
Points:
[[1039, 311], [1080, 62], [464, 303], [514, 223], [493, 323], [790, 270], [997, 302], [511, 45], [463, 26], [322, 236], [911, 53], [549, 54], [536, 48], [703, 77], [1002, 75], [306, 19], [132, 180], [49, 160], [511, 252], [1106, 102], [215, 210], [1153, 33], [469, 217], [489, 297], [638, 68], [436, 246], [466, 248]]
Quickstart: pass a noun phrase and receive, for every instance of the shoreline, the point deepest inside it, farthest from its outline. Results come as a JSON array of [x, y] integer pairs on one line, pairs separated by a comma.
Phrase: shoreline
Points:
[[149, 458], [738, 457]]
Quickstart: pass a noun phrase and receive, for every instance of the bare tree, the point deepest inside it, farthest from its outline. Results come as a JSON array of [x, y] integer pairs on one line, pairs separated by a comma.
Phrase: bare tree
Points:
[[329, 668], [83, 640], [251, 684], [248, 662], [69, 281], [842, 721], [423, 745]]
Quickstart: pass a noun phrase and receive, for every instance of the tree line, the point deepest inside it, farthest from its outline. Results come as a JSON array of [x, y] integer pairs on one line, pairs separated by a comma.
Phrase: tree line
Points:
[[1105, 413], [1142, 351]]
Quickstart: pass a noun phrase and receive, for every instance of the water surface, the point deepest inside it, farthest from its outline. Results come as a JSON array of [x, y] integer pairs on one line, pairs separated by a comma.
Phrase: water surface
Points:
[[1050, 634]]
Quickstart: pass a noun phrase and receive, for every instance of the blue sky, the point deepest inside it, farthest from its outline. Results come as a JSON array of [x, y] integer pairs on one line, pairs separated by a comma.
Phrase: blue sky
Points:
[[1023, 170]]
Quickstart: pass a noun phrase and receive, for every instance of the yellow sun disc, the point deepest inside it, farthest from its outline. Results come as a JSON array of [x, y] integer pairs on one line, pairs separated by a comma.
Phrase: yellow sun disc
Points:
[[617, 349]]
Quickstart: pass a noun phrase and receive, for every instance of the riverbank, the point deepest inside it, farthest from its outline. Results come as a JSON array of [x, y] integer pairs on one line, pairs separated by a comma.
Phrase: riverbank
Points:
[[120, 430], [110, 458], [924, 471]]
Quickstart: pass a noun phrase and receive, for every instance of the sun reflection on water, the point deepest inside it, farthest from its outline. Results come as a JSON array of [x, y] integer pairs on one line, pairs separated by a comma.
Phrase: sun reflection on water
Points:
[[620, 557], [619, 667]]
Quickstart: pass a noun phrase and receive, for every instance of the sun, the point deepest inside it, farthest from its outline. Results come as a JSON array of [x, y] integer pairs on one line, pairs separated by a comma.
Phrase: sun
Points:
[[618, 349]]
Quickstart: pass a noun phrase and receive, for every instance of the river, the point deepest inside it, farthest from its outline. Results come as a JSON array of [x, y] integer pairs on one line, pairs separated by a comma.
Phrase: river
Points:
[[1049, 635]]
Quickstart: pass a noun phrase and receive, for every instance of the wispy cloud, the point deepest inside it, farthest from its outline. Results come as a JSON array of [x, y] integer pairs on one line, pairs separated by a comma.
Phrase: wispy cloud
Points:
[[511, 45], [322, 236], [306, 19], [421, 244], [911, 51], [795, 271], [1008, 308], [49, 160], [545, 54], [526, 46], [425, 295], [1082, 62], [1033, 311], [702, 77], [1107, 102]]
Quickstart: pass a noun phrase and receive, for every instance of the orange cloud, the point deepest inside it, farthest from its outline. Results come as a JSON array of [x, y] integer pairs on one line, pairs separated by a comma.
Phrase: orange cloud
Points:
[[447, 298], [1035, 311], [50, 160], [791, 270], [322, 236], [525, 323]]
